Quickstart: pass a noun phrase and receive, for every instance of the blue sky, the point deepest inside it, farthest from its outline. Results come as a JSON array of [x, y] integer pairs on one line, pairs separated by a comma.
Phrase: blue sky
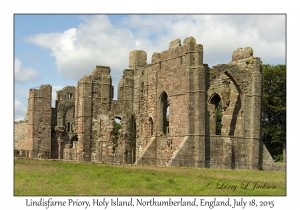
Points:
[[60, 49]]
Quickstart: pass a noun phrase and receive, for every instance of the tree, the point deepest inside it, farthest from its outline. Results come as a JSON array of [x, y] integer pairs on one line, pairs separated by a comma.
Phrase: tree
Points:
[[274, 109], [117, 127], [219, 119]]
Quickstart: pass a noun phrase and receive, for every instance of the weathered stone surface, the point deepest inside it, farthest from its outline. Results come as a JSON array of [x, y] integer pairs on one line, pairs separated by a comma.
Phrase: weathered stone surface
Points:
[[39, 122], [168, 112], [174, 44], [242, 54], [137, 58]]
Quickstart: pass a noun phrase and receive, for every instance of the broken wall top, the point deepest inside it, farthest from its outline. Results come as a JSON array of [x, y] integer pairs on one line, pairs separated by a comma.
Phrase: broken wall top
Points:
[[241, 69], [137, 58], [177, 50], [67, 93], [241, 53], [99, 71], [43, 91]]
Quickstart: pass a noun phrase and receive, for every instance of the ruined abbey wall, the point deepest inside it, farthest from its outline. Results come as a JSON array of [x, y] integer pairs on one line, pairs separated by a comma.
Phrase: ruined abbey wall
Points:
[[175, 80], [175, 111]]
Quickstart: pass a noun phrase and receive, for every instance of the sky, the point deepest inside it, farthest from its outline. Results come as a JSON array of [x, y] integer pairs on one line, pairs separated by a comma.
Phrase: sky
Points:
[[60, 49]]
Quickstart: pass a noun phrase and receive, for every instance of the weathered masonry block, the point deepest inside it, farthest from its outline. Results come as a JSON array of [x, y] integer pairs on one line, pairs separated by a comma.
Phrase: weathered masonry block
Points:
[[175, 111]]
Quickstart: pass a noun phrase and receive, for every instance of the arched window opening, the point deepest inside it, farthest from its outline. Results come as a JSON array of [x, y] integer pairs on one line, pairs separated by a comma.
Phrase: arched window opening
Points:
[[73, 141], [168, 119], [69, 95], [216, 115], [151, 124], [165, 112], [219, 118], [69, 127]]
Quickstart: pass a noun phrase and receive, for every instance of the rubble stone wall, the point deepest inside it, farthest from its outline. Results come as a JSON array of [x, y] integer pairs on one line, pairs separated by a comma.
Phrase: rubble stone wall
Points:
[[20, 135]]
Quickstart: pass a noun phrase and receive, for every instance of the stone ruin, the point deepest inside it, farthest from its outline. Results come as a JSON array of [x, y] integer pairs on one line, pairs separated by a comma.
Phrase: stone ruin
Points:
[[175, 111]]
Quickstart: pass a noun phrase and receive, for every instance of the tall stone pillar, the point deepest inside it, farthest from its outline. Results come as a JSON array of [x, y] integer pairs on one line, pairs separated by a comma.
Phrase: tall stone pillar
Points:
[[252, 90], [39, 121], [252, 116], [255, 156], [84, 117], [59, 132], [197, 100]]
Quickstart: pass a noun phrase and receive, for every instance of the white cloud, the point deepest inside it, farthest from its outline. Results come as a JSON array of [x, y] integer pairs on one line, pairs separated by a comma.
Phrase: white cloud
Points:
[[20, 110], [24, 75], [96, 41], [222, 34], [93, 42]]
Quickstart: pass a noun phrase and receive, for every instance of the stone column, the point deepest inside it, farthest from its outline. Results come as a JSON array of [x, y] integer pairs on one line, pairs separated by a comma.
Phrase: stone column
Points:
[[60, 149], [59, 132], [252, 118]]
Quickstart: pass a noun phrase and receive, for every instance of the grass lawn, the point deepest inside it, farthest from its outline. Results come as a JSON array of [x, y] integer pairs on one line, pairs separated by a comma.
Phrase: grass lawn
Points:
[[46, 177]]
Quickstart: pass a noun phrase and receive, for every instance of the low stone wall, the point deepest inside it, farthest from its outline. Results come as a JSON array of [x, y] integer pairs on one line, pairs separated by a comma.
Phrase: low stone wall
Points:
[[20, 128], [276, 167]]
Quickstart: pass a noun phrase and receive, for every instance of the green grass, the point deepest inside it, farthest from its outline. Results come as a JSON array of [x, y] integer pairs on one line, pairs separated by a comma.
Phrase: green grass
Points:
[[44, 177]]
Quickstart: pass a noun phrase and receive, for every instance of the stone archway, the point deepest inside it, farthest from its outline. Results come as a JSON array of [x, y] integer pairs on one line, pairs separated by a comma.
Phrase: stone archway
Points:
[[230, 96]]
